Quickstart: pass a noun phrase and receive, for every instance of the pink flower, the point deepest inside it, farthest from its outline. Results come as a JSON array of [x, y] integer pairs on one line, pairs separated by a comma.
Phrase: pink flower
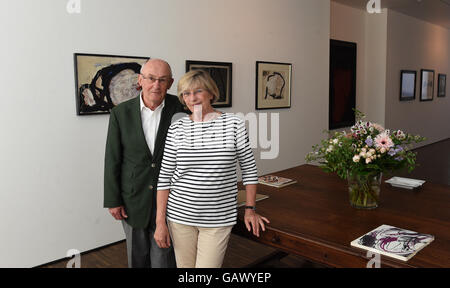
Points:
[[383, 141], [377, 126]]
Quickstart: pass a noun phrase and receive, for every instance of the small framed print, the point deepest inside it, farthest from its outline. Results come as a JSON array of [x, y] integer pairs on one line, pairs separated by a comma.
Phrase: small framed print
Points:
[[426, 84], [407, 85], [273, 85], [442, 79], [222, 74]]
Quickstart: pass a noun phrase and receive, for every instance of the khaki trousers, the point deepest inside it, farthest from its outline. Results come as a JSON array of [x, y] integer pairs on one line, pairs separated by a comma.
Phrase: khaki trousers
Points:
[[199, 247]]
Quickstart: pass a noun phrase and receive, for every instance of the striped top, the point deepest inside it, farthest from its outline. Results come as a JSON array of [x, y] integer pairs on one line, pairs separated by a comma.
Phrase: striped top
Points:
[[199, 168]]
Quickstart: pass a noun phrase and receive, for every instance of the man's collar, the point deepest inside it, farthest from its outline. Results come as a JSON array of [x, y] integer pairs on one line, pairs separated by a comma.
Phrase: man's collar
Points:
[[161, 106]]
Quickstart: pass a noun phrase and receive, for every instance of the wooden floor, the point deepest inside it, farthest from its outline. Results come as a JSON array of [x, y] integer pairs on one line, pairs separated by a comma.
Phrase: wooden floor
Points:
[[434, 161]]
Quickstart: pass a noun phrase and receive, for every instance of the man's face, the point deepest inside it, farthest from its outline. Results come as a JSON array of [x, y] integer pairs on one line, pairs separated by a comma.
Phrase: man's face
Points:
[[155, 80]]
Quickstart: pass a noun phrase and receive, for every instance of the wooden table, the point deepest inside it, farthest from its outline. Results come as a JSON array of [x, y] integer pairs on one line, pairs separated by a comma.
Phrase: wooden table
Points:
[[313, 218]]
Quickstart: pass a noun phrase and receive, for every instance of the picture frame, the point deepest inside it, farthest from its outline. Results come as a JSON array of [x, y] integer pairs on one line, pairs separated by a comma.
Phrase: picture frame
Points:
[[442, 85], [426, 84], [273, 85], [407, 85], [222, 73], [342, 90], [104, 81]]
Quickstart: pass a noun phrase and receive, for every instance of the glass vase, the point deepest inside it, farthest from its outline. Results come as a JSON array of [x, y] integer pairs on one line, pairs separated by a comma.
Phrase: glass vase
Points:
[[364, 189]]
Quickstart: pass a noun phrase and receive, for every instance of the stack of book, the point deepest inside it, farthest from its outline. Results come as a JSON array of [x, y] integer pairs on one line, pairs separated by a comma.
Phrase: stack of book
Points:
[[275, 181]]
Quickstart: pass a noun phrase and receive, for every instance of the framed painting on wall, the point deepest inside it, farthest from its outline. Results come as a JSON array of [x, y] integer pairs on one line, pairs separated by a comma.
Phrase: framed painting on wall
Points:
[[407, 85], [273, 85], [342, 96], [442, 79], [426, 84], [222, 74], [104, 81]]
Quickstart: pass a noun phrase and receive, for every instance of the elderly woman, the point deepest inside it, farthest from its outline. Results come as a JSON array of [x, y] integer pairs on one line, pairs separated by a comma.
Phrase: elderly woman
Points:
[[197, 185]]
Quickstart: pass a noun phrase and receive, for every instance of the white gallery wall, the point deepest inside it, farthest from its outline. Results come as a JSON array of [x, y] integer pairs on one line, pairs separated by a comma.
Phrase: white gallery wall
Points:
[[414, 44], [387, 43], [51, 167]]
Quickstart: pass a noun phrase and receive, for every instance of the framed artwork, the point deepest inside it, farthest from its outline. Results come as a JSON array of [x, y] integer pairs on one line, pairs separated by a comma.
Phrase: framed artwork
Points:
[[442, 79], [426, 84], [273, 85], [104, 81], [342, 94], [222, 74], [407, 85]]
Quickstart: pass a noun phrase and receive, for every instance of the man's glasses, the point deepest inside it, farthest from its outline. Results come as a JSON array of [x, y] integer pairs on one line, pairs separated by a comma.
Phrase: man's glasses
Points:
[[152, 79]]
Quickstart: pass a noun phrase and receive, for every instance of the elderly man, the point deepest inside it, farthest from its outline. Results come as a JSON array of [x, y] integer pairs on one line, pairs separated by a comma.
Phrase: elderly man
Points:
[[134, 148]]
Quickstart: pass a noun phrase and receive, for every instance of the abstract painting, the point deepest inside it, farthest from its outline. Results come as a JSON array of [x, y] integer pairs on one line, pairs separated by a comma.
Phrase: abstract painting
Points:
[[104, 81], [442, 78], [273, 85], [426, 85], [407, 85], [222, 74], [342, 95]]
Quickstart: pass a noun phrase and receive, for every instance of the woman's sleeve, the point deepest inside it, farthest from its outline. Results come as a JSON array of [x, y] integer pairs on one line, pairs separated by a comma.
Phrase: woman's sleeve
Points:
[[168, 163], [245, 155]]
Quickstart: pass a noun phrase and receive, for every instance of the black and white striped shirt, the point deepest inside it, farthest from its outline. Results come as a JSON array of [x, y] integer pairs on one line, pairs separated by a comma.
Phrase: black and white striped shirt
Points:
[[199, 168]]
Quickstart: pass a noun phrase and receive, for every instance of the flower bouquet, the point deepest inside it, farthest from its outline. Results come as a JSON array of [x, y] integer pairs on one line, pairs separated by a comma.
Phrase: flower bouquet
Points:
[[362, 155]]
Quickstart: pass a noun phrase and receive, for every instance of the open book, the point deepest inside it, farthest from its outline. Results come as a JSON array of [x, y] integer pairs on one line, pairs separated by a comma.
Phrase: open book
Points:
[[241, 198], [275, 181], [393, 242]]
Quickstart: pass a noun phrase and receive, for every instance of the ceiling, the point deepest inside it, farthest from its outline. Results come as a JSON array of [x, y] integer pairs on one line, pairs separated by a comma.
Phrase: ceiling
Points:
[[434, 11]]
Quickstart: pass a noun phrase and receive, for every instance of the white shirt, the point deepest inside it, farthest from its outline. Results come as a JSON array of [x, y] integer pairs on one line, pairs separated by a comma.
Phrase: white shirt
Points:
[[150, 122]]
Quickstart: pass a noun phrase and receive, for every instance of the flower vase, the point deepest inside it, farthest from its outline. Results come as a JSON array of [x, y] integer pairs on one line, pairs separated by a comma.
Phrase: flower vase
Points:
[[364, 189]]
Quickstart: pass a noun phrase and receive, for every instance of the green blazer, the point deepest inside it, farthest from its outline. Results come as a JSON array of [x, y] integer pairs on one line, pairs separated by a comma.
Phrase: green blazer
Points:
[[131, 171]]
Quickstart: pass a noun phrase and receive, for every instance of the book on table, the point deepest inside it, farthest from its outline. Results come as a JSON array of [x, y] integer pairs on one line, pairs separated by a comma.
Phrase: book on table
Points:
[[242, 198], [275, 181], [393, 242]]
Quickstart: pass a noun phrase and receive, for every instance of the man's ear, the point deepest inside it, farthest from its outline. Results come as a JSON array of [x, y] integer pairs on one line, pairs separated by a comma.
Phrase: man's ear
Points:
[[169, 84], [140, 80]]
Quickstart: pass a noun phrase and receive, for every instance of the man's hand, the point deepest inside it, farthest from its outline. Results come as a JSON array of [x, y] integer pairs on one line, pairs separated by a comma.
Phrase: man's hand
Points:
[[161, 236], [118, 213]]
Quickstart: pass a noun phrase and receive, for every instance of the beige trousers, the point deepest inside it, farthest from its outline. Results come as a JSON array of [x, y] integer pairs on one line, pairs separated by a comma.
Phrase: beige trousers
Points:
[[199, 247]]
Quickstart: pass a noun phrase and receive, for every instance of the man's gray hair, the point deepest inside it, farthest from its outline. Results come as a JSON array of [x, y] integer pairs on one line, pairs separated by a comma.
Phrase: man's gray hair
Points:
[[156, 59]]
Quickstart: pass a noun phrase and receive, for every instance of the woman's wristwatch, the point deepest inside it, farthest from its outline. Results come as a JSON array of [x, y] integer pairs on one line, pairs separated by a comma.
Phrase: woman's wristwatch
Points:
[[250, 207]]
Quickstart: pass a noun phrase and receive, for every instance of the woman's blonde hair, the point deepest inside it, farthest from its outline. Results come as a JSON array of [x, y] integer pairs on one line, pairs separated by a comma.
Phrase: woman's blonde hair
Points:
[[196, 79]]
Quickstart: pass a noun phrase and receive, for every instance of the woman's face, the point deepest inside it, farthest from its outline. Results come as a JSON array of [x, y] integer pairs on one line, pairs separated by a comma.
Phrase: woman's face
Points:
[[199, 98]]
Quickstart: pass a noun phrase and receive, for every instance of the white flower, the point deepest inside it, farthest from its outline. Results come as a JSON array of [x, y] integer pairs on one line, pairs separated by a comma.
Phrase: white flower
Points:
[[383, 150], [368, 160], [329, 149], [335, 141], [372, 151], [356, 158]]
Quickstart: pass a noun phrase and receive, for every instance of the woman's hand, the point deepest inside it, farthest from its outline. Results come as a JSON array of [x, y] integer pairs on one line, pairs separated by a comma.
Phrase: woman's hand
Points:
[[162, 236], [253, 221]]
